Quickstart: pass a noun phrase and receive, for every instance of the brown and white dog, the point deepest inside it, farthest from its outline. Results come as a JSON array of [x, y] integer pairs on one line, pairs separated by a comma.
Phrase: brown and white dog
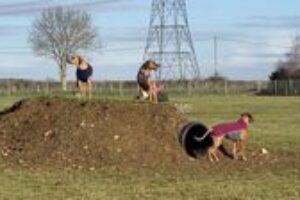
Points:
[[236, 132], [147, 88], [83, 74]]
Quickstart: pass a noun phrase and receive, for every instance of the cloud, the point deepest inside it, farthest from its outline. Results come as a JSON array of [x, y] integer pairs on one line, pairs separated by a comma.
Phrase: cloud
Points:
[[9, 61], [246, 60], [22, 8], [261, 55], [275, 18], [107, 66], [129, 34], [10, 30], [20, 5], [33, 7], [269, 22]]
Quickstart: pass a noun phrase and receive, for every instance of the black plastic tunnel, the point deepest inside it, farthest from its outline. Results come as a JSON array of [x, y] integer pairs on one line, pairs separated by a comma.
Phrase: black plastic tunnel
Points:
[[188, 142]]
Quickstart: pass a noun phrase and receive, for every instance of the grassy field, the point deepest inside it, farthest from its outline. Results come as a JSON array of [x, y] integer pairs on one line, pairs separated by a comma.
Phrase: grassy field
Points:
[[276, 128]]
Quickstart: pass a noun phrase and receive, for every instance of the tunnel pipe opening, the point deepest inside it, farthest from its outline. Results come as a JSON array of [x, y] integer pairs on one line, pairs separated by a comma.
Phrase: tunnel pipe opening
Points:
[[188, 142]]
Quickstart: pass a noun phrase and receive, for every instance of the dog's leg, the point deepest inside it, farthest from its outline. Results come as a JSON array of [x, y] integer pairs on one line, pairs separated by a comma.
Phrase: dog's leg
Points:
[[77, 89], [242, 145], [90, 87], [218, 142], [150, 96], [210, 154], [212, 151], [81, 88], [234, 150], [155, 98], [84, 90], [216, 158], [143, 94]]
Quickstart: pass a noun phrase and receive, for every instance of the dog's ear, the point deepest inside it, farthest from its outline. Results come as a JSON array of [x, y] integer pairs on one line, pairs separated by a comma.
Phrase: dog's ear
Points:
[[153, 65], [80, 60], [145, 64], [247, 114]]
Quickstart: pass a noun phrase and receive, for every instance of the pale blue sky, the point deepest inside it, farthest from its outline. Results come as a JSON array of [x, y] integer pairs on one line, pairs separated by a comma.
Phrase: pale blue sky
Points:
[[253, 36]]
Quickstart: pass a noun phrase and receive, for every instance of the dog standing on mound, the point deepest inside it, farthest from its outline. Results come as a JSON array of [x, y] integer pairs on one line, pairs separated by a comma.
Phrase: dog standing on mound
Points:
[[83, 74], [147, 88]]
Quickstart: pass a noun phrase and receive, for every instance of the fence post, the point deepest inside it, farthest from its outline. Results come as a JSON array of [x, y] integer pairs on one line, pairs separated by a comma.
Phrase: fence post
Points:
[[189, 88], [8, 90], [275, 87], [258, 87], [286, 87], [99, 89], [296, 86], [291, 87], [38, 88], [111, 87], [121, 88], [47, 86], [225, 87]]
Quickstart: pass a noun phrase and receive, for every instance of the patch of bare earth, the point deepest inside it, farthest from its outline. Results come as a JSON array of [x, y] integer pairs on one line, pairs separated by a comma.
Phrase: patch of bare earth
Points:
[[90, 135]]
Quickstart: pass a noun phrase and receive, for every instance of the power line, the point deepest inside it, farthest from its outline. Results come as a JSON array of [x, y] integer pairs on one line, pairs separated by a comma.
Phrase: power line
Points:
[[204, 39], [15, 53], [36, 6], [257, 43], [11, 47], [122, 49], [20, 49], [105, 50], [253, 43]]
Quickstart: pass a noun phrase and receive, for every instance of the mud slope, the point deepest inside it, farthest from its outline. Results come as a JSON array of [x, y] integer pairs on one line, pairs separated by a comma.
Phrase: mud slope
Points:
[[71, 134]]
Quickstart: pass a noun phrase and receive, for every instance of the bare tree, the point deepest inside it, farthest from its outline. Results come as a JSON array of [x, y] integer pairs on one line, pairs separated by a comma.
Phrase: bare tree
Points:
[[59, 32]]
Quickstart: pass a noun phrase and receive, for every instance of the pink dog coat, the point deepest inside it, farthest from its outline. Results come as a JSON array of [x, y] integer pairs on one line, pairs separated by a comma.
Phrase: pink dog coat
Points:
[[227, 128]]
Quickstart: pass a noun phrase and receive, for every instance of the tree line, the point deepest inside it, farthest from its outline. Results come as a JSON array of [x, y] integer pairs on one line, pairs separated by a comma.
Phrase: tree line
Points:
[[289, 67]]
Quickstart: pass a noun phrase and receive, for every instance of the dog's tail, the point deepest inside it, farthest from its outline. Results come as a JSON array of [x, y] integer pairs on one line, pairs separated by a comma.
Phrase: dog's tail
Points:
[[200, 139]]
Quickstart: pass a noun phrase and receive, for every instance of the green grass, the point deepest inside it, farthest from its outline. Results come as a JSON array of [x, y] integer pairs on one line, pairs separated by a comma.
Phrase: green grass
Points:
[[150, 185], [276, 128], [276, 118], [8, 101]]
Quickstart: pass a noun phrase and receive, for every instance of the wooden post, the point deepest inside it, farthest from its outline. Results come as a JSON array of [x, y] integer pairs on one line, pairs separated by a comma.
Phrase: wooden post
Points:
[[8, 90], [258, 87], [99, 89], [225, 87], [121, 88], [296, 87], [47, 86], [111, 87], [38, 89], [189, 88], [275, 87], [291, 87], [286, 87]]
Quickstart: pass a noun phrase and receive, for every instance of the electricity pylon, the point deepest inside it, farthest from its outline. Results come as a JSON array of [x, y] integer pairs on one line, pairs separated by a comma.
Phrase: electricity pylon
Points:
[[169, 41]]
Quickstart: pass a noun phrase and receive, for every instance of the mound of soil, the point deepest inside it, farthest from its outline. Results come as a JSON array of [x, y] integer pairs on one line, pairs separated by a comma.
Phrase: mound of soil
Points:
[[91, 135]]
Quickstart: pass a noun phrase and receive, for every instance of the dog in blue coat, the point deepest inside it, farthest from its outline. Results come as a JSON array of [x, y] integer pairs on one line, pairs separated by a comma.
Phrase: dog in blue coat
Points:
[[84, 73]]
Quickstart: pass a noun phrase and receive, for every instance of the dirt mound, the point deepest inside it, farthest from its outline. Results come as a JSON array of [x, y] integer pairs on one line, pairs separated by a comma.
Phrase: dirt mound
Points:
[[72, 134]]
